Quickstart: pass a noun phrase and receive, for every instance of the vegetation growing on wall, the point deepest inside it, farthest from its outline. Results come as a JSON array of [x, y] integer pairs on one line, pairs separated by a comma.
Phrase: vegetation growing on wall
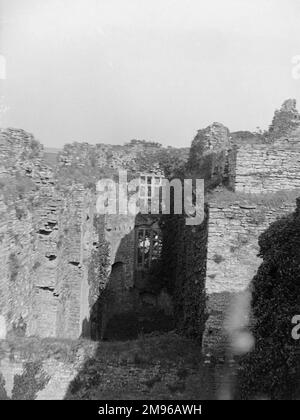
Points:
[[3, 393], [32, 380], [285, 120], [87, 175], [98, 275], [184, 270], [169, 160], [212, 156], [102, 248], [273, 369]]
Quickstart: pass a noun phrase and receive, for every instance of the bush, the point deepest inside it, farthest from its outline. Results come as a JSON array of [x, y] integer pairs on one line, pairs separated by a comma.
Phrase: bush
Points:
[[184, 256], [30, 382], [272, 370]]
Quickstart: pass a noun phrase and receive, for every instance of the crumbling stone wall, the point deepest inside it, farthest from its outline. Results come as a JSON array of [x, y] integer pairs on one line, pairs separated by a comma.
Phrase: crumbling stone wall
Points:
[[268, 167], [57, 255], [18, 150], [25, 185], [235, 223], [17, 255], [194, 247], [285, 120], [269, 161], [212, 156], [135, 156], [47, 243], [266, 183], [77, 239]]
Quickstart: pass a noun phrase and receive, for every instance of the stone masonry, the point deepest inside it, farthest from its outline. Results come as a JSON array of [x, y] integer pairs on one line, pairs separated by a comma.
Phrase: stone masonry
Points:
[[265, 188], [51, 271]]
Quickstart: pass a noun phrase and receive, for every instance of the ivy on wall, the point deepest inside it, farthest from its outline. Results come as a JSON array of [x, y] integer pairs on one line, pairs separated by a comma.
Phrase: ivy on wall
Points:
[[184, 271], [98, 275], [273, 369]]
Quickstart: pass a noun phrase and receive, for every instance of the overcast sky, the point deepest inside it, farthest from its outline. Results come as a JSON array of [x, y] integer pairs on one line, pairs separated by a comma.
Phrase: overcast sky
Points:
[[113, 70]]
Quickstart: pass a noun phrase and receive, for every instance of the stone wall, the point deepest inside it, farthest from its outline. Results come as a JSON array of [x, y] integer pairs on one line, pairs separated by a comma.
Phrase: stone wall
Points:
[[48, 239], [184, 272], [56, 260], [77, 238], [120, 235], [265, 179], [194, 313], [213, 156], [57, 254], [135, 156], [45, 260], [26, 218], [268, 167], [235, 223], [18, 150]]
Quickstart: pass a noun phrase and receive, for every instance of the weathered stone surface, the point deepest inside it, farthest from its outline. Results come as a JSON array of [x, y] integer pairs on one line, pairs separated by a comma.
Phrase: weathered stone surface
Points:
[[43, 259], [266, 185], [285, 120], [269, 167], [212, 156], [53, 272], [2, 327], [52, 252]]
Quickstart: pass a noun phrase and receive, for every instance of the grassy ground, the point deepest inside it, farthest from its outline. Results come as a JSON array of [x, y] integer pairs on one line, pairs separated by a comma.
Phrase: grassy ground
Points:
[[154, 366], [33, 349], [130, 325]]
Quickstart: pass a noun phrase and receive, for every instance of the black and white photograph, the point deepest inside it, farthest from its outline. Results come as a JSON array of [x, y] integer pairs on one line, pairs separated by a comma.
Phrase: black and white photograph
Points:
[[150, 204]]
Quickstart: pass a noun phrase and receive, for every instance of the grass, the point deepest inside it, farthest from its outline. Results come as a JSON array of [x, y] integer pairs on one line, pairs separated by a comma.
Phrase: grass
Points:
[[129, 325], [154, 366], [32, 380], [34, 349]]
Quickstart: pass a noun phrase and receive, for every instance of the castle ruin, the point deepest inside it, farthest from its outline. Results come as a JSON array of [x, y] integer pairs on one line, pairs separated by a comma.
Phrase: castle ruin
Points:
[[65, 270]]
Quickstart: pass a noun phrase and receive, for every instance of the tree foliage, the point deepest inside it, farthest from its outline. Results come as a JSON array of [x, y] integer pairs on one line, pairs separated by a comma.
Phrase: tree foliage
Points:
[[272, 370]]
